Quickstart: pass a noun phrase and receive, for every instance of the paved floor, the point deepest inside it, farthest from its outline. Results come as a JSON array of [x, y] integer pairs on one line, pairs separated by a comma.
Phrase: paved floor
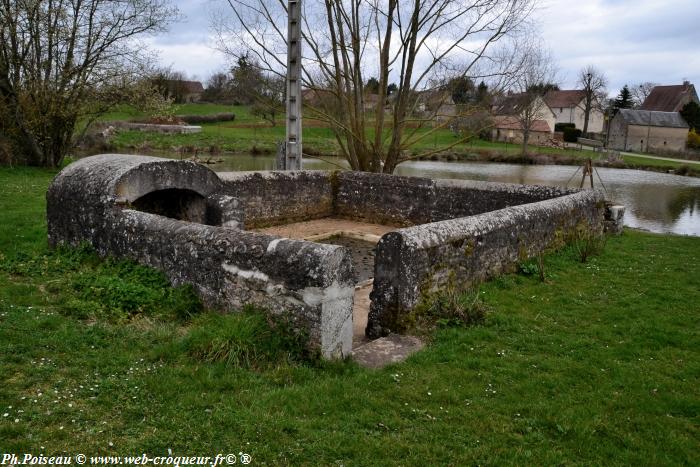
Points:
[[327, 227], [360, 311]]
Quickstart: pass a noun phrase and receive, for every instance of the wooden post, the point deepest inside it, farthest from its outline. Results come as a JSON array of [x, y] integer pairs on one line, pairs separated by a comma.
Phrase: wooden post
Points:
[[587, 171]]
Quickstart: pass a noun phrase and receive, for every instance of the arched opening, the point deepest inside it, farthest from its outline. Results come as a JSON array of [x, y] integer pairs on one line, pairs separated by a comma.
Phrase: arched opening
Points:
[[176, 203]]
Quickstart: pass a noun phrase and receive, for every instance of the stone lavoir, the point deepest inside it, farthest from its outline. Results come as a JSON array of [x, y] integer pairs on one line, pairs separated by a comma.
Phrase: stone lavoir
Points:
[[270, 239]]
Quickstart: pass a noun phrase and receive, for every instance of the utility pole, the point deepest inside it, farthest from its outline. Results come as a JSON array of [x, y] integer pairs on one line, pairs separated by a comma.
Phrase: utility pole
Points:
[[290, 152]]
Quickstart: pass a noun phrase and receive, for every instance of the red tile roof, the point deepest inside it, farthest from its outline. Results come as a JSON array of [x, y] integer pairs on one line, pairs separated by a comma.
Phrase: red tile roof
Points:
[[670, 98], [564, 99]]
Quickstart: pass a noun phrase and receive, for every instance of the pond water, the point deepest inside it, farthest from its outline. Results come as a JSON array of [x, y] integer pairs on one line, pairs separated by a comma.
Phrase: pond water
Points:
[[656, 202]]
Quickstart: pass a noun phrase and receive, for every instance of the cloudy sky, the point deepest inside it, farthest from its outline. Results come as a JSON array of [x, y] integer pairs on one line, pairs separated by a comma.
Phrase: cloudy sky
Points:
[[632, 41]]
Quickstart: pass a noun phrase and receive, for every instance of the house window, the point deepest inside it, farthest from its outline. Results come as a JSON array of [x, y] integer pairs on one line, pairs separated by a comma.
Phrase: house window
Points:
[[561, 110]]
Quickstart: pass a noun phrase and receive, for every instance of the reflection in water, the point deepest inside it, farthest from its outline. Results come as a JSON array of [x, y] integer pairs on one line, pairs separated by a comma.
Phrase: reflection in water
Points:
[[655, 201]]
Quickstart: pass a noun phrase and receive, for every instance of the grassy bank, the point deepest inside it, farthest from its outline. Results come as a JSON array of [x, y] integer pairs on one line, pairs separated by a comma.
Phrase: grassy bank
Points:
[[600, 365], [247, 134]]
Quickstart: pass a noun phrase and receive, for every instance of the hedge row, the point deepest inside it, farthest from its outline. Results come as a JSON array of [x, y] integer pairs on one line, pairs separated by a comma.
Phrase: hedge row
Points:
[[211, 118]]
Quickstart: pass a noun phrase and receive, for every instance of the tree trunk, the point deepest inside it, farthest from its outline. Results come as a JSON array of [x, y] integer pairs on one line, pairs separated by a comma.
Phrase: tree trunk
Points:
[[526, 140]]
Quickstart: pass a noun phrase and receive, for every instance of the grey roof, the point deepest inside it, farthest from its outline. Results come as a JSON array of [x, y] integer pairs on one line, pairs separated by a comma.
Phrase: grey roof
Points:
[[651, 118]]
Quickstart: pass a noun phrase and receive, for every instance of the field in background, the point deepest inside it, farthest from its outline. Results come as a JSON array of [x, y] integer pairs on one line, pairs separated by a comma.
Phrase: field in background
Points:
[[599, 365], [249, 134]]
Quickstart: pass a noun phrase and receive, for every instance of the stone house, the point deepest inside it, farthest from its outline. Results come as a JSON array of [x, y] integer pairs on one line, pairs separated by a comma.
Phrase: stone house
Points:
[[648, 131], [370, 102], [569, 107], [670, 98], [184, 91], [508, 114], [437, 105], [509, 129]]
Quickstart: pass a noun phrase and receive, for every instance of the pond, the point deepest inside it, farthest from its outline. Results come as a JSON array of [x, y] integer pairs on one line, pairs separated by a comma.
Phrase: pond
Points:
[[656, 202]]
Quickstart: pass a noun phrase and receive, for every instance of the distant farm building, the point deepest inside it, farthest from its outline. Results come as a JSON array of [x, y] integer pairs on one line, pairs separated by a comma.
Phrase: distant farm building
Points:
[[648, 131], [670, 98], [183, 91], [569, 107]]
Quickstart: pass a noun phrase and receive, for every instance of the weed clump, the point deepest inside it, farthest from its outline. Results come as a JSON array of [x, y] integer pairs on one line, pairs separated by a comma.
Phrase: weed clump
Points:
[[587, 242], [248, 339], [450, 308]]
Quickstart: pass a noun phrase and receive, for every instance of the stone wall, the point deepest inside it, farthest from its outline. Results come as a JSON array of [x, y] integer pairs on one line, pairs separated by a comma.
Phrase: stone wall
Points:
[[407, 201], [186, 220], [273, 198], [307, 283], [414, 262], [157, 128]]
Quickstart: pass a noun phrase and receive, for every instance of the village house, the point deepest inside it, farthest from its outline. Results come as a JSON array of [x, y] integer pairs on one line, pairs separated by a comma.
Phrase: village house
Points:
[[370, 103], [436, 105], [508, 116], [184, 91], [648, 131], [569, 107], [670, 98]]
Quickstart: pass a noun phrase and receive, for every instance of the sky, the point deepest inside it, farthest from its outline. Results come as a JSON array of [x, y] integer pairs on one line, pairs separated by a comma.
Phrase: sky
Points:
[[631, 41]]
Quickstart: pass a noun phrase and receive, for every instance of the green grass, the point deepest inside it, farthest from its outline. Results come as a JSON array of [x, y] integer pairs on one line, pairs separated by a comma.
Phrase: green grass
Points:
[[647, 162], [598, 366]]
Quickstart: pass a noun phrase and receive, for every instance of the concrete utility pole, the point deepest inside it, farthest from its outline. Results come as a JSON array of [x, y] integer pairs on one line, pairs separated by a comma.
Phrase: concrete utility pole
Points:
[[289, 156]]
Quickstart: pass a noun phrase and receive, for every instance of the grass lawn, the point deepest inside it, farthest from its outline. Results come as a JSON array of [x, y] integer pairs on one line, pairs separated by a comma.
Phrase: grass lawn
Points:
[[249, 133], [600, 365]]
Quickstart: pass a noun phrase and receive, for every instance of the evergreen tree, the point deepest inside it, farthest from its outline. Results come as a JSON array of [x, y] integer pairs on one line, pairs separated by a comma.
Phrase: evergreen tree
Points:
[[542, 88], [482, 92], [372, 86], [623, 100], [463, 90], [691, 114]]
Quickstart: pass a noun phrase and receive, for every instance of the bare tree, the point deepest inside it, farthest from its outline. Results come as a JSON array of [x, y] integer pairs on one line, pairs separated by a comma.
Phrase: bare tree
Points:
[[593, 83], [641, 91], [536, 76], [269, 96], [63, 61], [408, 43]]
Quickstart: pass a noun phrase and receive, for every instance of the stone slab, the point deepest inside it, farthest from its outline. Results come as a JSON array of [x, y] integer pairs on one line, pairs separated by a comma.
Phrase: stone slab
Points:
[[388, 350]]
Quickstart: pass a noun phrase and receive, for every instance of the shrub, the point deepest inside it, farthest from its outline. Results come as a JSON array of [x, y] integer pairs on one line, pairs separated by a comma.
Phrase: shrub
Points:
[[563, 126], [571, 135], [693, 139]]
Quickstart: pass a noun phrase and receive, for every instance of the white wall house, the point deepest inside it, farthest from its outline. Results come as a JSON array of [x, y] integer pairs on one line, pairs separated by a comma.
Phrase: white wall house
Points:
[[569, 107]]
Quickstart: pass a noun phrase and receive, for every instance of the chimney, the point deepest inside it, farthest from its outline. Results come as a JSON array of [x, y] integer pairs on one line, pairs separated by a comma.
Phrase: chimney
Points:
[[686, 83]]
